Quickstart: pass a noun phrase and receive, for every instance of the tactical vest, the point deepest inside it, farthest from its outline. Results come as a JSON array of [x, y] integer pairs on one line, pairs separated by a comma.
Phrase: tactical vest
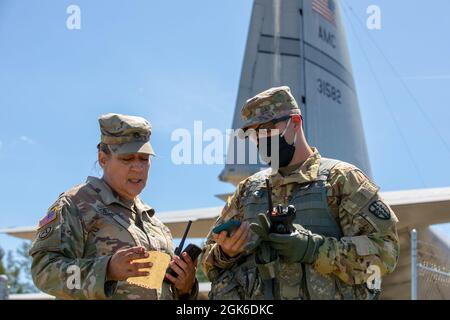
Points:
[[293, 280]]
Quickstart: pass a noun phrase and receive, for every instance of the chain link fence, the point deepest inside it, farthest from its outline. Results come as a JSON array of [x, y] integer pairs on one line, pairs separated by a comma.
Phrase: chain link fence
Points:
[[4, 295], [430, 270]]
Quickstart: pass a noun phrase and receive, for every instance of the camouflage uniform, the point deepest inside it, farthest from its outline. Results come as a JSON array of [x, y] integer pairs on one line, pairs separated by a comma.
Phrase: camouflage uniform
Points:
[[89, 223], [366, 225]]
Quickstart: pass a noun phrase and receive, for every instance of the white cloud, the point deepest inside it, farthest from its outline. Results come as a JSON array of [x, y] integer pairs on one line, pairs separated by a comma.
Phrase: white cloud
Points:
[[1, 144], [27, 140]]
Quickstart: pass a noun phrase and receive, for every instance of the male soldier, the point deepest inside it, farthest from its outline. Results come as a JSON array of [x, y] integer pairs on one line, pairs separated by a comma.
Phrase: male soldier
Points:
[[87, 243], [343, 233]]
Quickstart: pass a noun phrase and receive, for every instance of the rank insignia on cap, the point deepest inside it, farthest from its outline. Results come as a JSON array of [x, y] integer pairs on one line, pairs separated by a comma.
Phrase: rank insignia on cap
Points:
[[380, 210], [51, 216]]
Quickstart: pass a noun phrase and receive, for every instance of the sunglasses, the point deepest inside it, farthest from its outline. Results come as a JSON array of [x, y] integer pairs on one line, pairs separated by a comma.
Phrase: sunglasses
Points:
[[266, 129]]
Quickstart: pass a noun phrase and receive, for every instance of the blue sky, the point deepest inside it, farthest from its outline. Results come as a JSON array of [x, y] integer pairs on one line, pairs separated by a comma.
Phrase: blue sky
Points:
[[174, 62]]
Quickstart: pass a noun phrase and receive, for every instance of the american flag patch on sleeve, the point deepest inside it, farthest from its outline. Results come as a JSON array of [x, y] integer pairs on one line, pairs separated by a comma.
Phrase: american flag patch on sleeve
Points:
[[51, 216]]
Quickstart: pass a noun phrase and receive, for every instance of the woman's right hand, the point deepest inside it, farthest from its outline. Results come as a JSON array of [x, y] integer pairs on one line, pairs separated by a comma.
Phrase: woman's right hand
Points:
[[234, 245], [121, 268]]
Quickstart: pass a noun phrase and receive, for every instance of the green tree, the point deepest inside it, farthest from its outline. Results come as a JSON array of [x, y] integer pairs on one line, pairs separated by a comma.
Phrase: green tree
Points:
[[201, 277], [2, 267], [17, 268]]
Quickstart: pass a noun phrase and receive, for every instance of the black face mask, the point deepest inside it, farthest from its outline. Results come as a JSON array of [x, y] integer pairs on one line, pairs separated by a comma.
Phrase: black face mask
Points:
[[286, 150]]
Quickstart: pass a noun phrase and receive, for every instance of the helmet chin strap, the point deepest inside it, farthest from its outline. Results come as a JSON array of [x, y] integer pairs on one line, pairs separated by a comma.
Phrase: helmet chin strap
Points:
[[284, 132]]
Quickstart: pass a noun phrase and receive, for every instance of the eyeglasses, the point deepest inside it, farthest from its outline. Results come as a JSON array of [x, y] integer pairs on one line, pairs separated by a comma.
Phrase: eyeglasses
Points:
[[271, 124], [266, 129]]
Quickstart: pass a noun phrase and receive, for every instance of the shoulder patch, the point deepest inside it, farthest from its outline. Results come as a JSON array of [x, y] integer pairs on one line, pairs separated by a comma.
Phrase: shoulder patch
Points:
[[45, 233], [51, 216], [380, 210]]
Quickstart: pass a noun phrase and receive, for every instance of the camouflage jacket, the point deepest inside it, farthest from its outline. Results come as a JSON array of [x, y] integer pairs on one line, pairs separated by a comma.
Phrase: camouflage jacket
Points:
[[351, 197], [82, 230]]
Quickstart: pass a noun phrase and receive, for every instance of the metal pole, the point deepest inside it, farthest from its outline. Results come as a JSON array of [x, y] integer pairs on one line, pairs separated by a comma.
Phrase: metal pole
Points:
[[413, 264], [4, 287]]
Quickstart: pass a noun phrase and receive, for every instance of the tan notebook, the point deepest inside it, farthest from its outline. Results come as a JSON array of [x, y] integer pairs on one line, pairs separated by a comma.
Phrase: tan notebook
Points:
[[160, 262]]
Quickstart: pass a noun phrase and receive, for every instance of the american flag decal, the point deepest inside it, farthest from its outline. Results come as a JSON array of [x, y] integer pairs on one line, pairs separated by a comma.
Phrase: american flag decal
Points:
[[52, 215], [326, 8]]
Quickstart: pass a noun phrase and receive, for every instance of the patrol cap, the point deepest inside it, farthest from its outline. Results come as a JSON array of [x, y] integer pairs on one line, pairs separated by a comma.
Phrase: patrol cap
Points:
[[272, 104], [126, 134]]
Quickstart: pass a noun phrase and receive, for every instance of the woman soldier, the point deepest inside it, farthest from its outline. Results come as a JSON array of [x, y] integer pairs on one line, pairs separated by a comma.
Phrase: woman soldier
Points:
[[86, 244]]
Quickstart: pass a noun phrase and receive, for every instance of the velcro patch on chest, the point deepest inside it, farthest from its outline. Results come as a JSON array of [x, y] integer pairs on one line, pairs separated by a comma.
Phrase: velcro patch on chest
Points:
[[51, 216]]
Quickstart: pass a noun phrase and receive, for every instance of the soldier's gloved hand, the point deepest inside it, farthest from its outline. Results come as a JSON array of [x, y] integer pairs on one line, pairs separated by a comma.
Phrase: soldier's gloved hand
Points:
[[261, 229], [299, 246]]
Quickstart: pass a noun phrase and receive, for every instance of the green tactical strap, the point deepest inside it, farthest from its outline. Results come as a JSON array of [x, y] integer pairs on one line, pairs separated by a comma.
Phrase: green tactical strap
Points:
[[267, 261], [269, 270], [268, 290], [268, 265]]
